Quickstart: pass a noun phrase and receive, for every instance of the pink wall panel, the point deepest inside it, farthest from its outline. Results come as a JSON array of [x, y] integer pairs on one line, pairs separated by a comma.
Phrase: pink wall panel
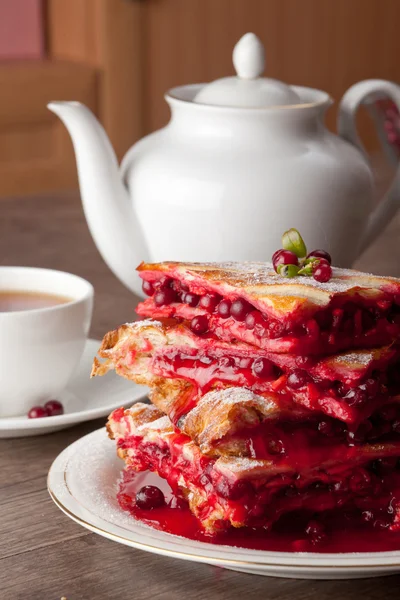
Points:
[[21, 29]]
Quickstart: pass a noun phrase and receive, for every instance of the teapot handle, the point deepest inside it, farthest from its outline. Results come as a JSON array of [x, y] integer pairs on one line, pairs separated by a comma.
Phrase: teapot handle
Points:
[[367, 92]]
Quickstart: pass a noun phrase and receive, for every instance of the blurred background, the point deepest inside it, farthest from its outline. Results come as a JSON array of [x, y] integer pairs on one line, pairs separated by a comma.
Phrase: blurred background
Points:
[[120, 56]]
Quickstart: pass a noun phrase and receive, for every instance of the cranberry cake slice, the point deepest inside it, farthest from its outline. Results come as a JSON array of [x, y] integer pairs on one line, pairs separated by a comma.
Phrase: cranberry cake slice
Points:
[[165, 355], [252, 303], [239, 492]]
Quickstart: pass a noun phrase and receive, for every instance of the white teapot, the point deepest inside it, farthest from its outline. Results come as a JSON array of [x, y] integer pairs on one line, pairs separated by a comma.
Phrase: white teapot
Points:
[[242, 159]]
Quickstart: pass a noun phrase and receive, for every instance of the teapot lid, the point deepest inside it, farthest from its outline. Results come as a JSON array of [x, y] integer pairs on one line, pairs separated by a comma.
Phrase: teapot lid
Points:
[[248, 88]]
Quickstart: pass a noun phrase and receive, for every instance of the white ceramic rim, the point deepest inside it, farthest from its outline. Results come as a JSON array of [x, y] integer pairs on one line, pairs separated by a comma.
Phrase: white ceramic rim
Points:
[[158, 542], [86, 289], [184, 94]]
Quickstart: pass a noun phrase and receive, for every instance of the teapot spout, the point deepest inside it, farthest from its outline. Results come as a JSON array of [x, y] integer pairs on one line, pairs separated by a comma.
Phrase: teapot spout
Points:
[[105, 199]]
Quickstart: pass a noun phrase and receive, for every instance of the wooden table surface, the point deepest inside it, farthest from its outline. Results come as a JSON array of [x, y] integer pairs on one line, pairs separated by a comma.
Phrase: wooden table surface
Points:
[[46, 556]]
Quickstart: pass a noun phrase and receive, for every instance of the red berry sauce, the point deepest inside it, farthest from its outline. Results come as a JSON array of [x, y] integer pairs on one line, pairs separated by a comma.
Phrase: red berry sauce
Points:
[[207, 370], [333, 531]]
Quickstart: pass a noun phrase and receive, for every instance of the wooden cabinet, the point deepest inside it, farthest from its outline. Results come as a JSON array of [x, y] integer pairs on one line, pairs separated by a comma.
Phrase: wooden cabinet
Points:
[[120, 56], [93, 55]]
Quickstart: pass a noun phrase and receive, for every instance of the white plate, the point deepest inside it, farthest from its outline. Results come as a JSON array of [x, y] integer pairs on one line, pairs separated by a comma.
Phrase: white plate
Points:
[[83, 480], [83, 399]]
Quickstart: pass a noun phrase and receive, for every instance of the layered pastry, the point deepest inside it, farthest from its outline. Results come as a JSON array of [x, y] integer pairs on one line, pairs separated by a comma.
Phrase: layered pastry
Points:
[[252, 303], [230, 491], [347, 386], [271, 396]]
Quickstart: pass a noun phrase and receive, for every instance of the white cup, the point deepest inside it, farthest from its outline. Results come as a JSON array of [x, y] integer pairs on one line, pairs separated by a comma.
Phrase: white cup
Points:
[[40, 348]]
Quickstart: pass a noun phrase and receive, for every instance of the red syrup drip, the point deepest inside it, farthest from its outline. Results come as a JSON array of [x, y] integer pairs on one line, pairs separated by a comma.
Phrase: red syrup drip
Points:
[[206, 372], [346, 531]]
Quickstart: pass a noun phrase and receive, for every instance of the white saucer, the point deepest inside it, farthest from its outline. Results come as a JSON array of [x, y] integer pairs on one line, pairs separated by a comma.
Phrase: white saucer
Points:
[[83, 399], [82, 482]]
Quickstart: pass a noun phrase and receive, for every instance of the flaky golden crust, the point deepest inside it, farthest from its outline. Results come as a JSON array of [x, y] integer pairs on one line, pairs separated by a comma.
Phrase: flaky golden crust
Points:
[[121, 420], [127, 350], [262, 287], [172, 396], [224, 412]]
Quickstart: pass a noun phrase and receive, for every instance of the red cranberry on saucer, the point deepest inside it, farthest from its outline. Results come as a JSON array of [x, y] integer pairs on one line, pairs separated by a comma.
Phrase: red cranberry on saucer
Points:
[[54, 408], [37, 412]]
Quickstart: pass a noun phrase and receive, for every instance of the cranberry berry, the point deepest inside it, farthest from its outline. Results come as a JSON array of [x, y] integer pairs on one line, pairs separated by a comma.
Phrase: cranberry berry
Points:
[[149, 497], [297, 379], [262, 367], [254, 318], [191, 299], [224, 309], [320, 254], [284, 257], [240, 309], [292, 260], [37, 412], [148, 288], [164, 297], [199, 325], [322, 271], [54, 408], [209, 302]]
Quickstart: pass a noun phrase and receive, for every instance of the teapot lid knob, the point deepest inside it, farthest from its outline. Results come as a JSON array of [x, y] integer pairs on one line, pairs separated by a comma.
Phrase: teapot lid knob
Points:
[[248, 89], [249, 57]]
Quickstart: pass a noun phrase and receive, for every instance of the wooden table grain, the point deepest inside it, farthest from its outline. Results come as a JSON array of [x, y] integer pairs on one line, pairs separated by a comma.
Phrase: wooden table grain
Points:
[[46, 556]]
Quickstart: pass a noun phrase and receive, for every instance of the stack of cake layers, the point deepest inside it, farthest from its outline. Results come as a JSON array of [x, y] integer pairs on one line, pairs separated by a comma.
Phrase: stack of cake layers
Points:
[[269, 395]]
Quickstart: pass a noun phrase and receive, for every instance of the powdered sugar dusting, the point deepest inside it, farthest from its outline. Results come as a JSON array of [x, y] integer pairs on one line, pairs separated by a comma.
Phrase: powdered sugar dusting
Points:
[[92, 477], [94, 472], [161, 424], [243, 465], [361, 358], [144, 323], [234, 395], [248, 274], [231, 395]]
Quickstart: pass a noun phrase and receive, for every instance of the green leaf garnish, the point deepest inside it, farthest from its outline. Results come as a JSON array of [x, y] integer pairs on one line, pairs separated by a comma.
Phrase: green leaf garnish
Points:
[[288, 270], [306, 269], [292, 240]]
